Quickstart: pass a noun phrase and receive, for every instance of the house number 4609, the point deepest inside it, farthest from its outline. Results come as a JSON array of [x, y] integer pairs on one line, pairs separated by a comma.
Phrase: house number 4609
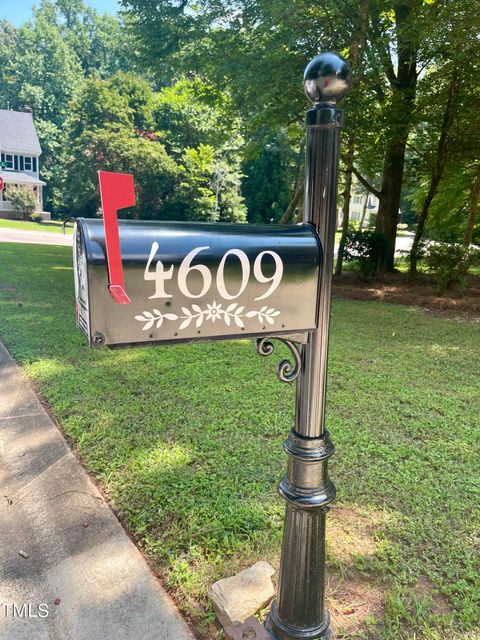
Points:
[[161, 275]]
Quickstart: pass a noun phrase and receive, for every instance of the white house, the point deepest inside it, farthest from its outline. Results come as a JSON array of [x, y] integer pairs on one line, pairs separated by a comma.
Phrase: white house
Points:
[[363, 206], [20, 160]]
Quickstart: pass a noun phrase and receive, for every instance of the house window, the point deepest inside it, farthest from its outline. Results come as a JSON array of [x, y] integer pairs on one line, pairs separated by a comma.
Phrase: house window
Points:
[[27, 163], [9, 161], [34, 160]]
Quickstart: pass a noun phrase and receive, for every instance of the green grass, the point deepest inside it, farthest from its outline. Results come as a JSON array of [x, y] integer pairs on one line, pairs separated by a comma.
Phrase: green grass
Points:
[[24, 225], [187, 442]]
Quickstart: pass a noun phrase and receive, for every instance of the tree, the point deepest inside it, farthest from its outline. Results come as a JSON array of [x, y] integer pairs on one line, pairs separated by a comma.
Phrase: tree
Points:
[[444, 154], [200, 129], [472, 209], [272, 162], [355, 50], [192, 112], [107, 130], [254, 54], [44, 63], [23, 199], [209, 190], [8, 44], [102, 134], [438, 167]]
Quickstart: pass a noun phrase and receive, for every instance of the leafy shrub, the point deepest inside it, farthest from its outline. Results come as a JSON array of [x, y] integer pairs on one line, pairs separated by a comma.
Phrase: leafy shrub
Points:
[[23, 199], [366, 249], [450, 263], [36, 217]]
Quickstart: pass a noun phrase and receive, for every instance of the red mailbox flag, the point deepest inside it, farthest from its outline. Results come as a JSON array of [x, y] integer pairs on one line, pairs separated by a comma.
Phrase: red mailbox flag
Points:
[[116, 192]]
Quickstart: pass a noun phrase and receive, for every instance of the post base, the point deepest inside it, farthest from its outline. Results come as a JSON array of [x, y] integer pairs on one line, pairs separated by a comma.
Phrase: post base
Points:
[[280, 631]]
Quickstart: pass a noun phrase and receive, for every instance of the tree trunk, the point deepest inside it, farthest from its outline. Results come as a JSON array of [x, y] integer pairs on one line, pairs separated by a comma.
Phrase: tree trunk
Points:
[[293, 205], [391, 189], [404, 85], [472, 211], [440, 160], [346, 203]]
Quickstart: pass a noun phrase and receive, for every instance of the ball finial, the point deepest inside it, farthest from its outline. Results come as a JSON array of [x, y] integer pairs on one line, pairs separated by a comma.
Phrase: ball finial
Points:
[[326, 78]]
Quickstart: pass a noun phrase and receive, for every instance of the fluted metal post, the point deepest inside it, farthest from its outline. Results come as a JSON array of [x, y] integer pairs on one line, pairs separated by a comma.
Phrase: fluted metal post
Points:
[[299, 611]]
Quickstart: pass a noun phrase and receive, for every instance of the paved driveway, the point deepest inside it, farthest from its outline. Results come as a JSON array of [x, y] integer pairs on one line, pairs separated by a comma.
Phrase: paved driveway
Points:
[[35, 237]]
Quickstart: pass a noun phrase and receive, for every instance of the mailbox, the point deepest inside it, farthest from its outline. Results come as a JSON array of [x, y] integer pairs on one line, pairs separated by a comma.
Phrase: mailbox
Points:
[[196, 281]]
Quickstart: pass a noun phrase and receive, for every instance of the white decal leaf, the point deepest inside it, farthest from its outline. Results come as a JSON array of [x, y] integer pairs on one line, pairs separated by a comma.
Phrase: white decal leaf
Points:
[[239, 310], [238, 322], [185, 323], [159, 323], [147, 314], [199, 321], [149, 325], [196, 308], [171, 316], [251, 314], [186, 311], [227, 319], [231, 307], [269, 320], [141, 318]]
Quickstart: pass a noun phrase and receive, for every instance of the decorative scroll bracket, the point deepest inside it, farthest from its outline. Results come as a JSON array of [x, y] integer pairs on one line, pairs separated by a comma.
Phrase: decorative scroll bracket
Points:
[[287, 371]]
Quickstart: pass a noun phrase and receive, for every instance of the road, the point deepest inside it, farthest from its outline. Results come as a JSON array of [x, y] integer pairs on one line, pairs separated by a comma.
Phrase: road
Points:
[[35, 237], [404, 242]]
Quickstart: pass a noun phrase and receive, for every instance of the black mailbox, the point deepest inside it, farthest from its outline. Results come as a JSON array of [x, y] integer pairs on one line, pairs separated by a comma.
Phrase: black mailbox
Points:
[[197, 281]]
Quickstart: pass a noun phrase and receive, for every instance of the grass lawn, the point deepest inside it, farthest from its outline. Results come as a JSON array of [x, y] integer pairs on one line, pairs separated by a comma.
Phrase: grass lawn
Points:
[[187, 443], [24, 225]]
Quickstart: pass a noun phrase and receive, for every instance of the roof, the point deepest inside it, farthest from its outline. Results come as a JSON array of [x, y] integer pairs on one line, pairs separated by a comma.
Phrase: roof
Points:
[[18, 132], [18, 176]]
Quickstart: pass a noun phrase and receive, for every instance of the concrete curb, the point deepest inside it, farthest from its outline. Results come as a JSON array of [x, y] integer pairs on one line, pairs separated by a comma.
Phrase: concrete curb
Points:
[[79, 556]]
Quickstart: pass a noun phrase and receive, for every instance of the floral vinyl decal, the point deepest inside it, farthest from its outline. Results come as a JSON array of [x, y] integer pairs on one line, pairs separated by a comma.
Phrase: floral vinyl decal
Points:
[[232, 315]]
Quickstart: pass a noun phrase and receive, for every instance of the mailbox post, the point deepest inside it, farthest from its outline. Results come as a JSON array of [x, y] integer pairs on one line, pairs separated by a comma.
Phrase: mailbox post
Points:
[[299, 611], [140, 283]]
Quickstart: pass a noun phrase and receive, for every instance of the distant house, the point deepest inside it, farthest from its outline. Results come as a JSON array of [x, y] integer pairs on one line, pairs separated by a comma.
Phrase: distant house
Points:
[[363, 209], [20, 160]]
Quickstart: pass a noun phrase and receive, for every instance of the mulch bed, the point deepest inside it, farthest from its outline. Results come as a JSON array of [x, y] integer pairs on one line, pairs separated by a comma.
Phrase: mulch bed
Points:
[[395, 287]]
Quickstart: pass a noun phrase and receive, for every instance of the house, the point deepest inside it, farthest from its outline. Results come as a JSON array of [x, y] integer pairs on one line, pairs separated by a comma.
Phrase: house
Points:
[[20, 160], [363, 209]]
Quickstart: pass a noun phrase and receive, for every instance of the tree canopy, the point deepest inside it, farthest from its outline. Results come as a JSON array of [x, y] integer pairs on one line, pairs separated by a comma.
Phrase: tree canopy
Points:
[[204, 100]]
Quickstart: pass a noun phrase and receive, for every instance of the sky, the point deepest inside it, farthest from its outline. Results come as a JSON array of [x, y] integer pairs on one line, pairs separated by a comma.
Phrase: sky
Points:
[[19, 11]]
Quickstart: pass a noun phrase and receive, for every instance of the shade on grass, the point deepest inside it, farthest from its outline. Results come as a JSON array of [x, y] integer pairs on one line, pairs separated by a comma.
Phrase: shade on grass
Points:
[[187, 442]]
